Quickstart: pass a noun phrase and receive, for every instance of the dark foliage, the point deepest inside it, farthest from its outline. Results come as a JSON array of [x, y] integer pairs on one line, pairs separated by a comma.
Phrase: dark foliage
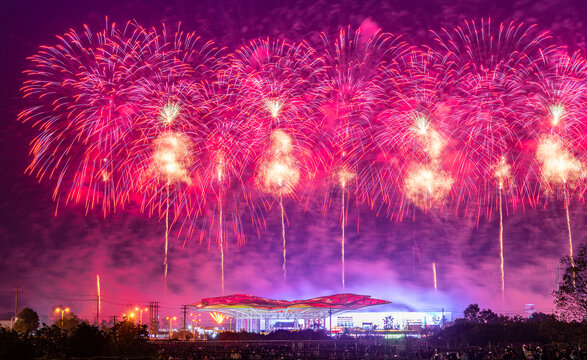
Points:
[[28, 321], [483, 327], [83, 340], [571, 296], [15, 346]]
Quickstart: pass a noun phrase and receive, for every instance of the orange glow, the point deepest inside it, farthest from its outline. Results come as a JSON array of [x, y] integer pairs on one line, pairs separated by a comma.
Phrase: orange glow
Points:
[[426, 187], [279, 174], [218, 317], [172, 157]]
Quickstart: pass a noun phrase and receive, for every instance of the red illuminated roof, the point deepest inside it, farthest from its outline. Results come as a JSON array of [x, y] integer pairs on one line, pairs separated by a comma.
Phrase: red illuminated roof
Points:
[[338, 301]]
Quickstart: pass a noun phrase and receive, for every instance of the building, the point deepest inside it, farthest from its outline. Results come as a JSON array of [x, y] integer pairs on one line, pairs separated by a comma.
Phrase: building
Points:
[[335, 313], [7, 320], [257, 314]]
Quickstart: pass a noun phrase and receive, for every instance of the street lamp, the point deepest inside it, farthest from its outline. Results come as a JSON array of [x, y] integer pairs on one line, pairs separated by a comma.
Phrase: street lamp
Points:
[[141, 313], [60, 310], [171, 324]]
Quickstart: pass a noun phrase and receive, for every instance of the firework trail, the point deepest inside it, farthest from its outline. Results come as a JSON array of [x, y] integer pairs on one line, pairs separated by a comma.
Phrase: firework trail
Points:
[[487, 118], [557, 105], [168, 139], [434, 277], [278, 175], [488, 123], [348, 89], [273, 90], [229, 153], [99, 309], [560, 168], [85, 93], [409, 134], [344, 177], [503, 176]]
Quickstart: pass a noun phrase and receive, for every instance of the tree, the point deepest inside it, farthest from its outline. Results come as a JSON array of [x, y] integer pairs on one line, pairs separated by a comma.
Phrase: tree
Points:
[[571, 296], [127, 338], [488, 316], [472, 313], [86, 340], [27, 322], [69, 321]]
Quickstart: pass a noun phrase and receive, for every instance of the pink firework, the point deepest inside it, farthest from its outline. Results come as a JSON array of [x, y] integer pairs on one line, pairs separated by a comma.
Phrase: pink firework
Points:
[[486, 61], [351, 84], [85, 92], [411, 136]]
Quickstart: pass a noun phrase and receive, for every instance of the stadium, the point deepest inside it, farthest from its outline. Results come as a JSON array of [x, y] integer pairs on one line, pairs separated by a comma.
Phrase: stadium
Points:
[[338, 313]]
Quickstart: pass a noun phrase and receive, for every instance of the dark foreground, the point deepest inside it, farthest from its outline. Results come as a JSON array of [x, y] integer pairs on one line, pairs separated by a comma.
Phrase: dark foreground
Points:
[[369, 349]]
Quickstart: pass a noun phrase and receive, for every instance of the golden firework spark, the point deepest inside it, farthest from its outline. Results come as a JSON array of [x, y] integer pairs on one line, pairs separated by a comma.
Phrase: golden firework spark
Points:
[[172, 157], [274, 107], [558, 165], [426, 187], [218, 317], [344, 176], [502, 174], [279, 174], [434, 277], [557, 112], [433, 141], [169, 112]]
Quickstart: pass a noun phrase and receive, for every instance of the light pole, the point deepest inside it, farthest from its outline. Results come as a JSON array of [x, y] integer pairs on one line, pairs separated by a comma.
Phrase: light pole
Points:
[[60, 310], [171, 324], [140, 310]]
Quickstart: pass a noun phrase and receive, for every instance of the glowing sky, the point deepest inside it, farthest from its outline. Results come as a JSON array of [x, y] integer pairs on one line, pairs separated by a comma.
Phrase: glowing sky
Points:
[[55, 259]]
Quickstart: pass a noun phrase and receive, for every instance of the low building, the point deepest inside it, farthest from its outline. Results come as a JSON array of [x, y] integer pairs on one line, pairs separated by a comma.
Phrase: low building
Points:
[[339, 313], [7, 320]]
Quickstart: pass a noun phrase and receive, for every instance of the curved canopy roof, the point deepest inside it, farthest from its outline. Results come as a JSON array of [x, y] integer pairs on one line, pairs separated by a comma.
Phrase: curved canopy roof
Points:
[[338, 302]]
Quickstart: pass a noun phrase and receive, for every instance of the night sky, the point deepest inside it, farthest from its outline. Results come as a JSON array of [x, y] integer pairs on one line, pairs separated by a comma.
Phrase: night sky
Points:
[[55, 259]]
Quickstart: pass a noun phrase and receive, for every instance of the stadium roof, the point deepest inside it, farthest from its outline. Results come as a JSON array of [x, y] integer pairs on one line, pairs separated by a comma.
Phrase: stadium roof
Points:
[[248, 306]]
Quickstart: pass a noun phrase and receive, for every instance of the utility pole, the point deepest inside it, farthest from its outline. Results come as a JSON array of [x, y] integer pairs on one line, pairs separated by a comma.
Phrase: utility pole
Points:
[[16, 302], [442, 326], [98, 311], [184, 309], [153, 318]]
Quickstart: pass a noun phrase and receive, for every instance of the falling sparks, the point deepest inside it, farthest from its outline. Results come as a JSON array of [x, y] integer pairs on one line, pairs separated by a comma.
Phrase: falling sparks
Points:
[[434, 277], [99, 305], [279, 175], [557, 112], [91, 111], [558, 165], [218, 317], [426, 187], [274, 107], [172, 157], [502, 175], [344, 176], [169, 113]]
